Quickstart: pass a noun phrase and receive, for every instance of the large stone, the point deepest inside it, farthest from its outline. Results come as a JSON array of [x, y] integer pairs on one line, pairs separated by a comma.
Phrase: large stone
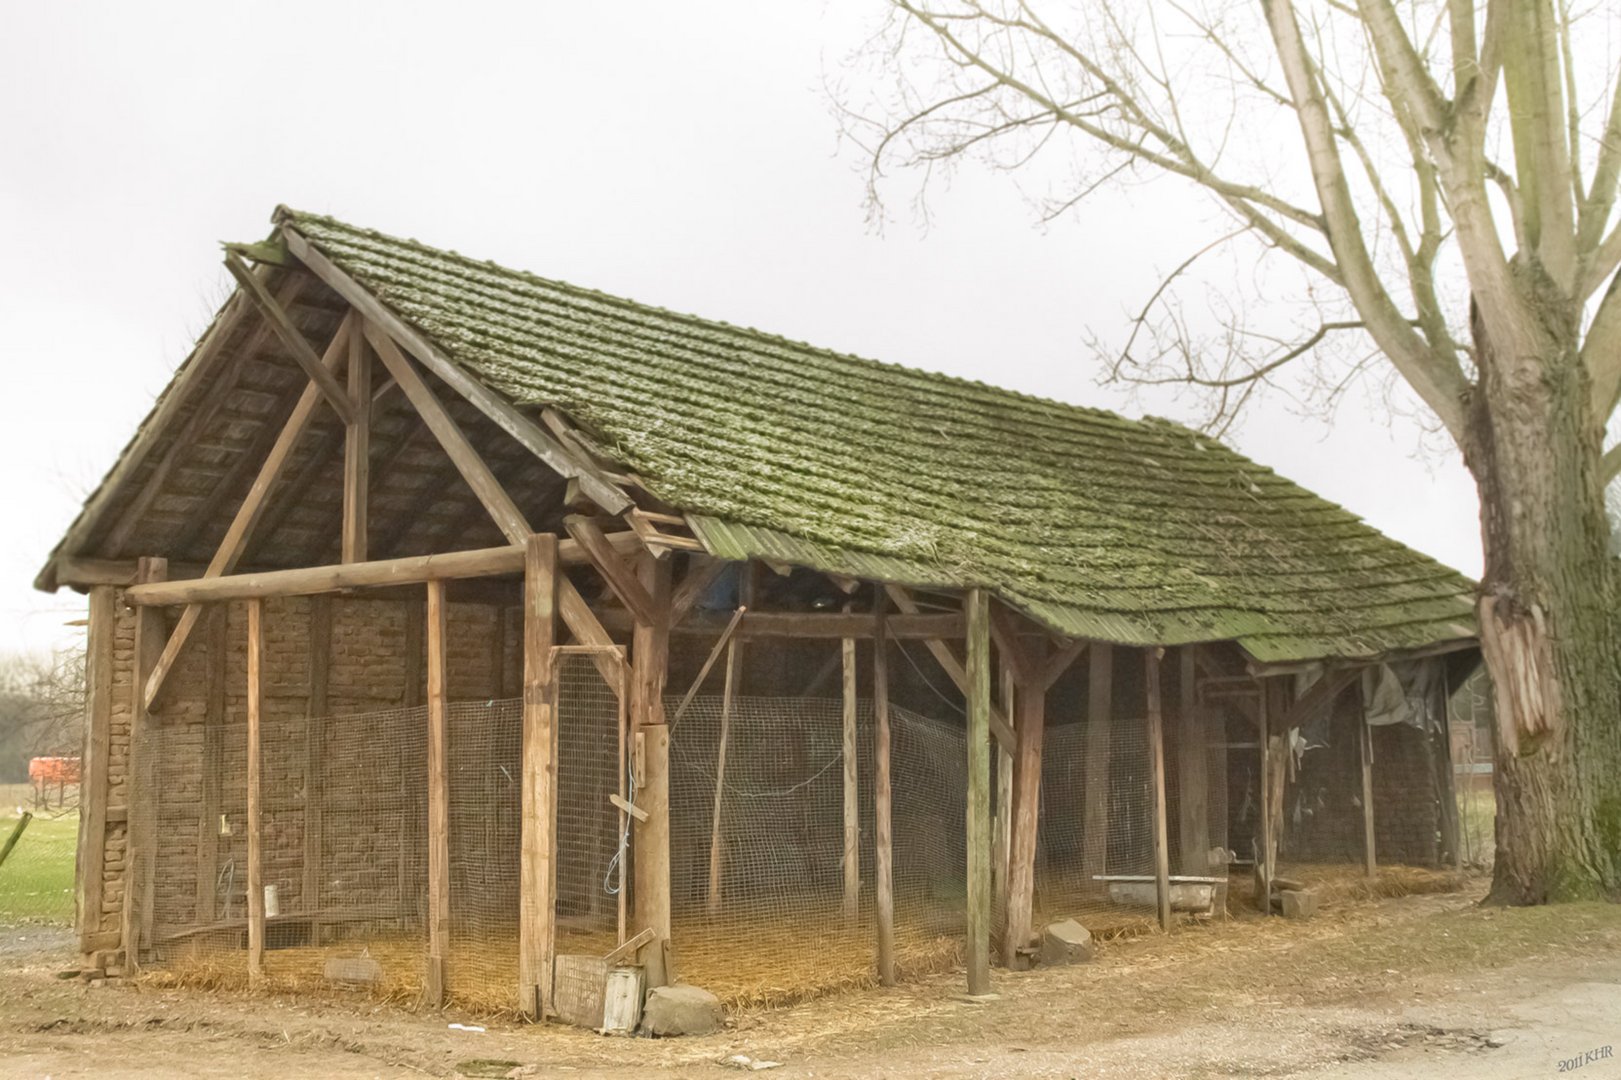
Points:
[[1066, 942], [1298, 903], [681, 1010]]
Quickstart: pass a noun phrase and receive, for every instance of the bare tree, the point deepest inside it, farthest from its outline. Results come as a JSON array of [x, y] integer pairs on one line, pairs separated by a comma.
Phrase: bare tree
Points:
[[1440, 178]]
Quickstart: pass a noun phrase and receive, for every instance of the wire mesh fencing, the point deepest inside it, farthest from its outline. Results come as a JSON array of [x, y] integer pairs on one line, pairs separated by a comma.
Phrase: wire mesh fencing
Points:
[[484, 765]]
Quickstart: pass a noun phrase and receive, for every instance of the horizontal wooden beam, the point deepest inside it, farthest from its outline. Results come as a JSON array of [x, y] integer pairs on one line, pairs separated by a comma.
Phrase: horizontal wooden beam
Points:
[[809, 625], [480, 563]]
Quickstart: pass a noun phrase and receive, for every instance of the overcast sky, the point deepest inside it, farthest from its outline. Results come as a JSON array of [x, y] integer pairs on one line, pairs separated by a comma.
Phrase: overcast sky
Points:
[[680, 154]]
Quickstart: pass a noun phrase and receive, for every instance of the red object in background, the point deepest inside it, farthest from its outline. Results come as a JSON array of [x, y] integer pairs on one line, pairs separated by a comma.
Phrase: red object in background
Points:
[[53, 770]]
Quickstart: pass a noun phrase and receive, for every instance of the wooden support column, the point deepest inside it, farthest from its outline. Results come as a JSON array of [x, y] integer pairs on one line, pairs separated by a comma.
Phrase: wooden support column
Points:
[[356, 450], [649, 656], [1193, 767], [1263, 857], [256, 702], [1370, 863], [140, 799], [852, 797], [98, 725], [438, 798], [1002, 818], [213, 759], [1099, 725], [1029, 729], [1156, 761], [717, 844], [977, 672], [883, 861], [537, 875]]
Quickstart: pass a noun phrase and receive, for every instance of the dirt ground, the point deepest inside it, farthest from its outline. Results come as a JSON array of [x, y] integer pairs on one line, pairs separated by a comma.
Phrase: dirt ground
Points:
[[1419, 986]]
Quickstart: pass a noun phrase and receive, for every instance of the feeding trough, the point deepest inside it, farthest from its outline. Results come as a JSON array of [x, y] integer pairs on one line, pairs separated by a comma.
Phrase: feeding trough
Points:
[[1193, 895]]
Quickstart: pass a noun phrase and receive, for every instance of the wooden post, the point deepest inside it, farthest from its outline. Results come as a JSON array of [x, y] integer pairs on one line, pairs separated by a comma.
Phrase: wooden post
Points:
[[356, 450], [1002, 818], [1029, 729], [315, 716], [1446, 792], [1370, 863], [537, 875], [1099, 724], [650, 646], [256, 701], [438, 798], [852, 796], [208, 815], [716, 852], [140, 800], [883, 861], [978, 678], [1156, 759], [1193, 767], [1263, 857], [98, 724]]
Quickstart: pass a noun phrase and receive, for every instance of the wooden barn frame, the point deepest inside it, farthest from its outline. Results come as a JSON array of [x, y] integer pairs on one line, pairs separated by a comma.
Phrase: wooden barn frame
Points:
[[260, 474]]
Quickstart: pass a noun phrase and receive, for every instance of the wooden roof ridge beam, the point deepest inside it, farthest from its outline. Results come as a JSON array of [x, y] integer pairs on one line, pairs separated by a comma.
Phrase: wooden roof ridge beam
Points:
[[282, 323], [505, 513], [953, 666], [621, 578], [247, 517], [313, 580], [502, 412]]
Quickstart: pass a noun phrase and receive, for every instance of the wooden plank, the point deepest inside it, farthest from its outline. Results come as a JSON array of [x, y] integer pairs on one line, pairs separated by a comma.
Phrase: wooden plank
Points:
[[954, 668], [140, 828], [412, 570], [621, 578], [217, 641], [1030, 728], [98, 724], [438, 796], [501, 411], [320, 375], [978, 695], [357, 451], [248, 514], [1156, 773], [651, 853], [883, 856], [1059, 662], [716, 844], [851, 859], [1370, 862], [1002, 815], [537, 874], [256, 702], [316, 708], [1099, 733], [723, 643], [1263, 857], [1193, 767], [491, 495]]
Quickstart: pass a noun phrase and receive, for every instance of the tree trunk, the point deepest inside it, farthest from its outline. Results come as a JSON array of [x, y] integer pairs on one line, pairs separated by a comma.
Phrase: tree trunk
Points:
[[1547, 608]]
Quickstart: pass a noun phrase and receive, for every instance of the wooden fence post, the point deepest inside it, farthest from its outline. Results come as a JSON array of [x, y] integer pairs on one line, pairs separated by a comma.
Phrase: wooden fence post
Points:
[[538, 867], [978, 672]]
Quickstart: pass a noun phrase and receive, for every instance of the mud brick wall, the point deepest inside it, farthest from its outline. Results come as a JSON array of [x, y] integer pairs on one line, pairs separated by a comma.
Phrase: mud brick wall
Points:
[[362, 761]]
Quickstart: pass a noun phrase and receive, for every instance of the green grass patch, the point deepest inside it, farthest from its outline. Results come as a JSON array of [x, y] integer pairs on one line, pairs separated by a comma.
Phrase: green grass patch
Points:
[[36, 880]]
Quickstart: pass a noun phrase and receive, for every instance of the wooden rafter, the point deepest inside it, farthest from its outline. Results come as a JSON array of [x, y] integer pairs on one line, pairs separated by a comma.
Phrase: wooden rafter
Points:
[[319, 373], [508, 518], [502, 412], [621, 578], [248, 514], [702, 572]]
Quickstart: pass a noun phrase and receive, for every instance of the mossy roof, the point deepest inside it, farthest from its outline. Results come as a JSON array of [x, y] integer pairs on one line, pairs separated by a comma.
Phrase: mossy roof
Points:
[[1135, 531]]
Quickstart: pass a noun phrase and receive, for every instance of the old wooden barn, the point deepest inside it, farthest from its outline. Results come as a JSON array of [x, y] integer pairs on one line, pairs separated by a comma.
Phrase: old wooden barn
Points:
[[459, 633]]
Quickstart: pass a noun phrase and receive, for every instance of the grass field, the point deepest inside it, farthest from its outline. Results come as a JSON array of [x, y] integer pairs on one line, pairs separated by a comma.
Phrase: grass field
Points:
[[36, 880]]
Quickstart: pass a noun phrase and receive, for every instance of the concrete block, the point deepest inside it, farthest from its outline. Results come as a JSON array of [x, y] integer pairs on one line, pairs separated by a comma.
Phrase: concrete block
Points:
[[681, 1010], [1298, 903], [1066, 942]]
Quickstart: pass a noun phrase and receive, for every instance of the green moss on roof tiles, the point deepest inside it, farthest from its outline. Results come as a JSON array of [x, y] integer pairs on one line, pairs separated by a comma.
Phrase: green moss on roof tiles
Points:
[[1137, 531]]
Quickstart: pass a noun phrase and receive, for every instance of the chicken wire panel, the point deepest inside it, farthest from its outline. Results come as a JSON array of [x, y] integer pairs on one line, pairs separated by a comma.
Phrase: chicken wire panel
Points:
[[591, 831], [343, 855], [484, 768]]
